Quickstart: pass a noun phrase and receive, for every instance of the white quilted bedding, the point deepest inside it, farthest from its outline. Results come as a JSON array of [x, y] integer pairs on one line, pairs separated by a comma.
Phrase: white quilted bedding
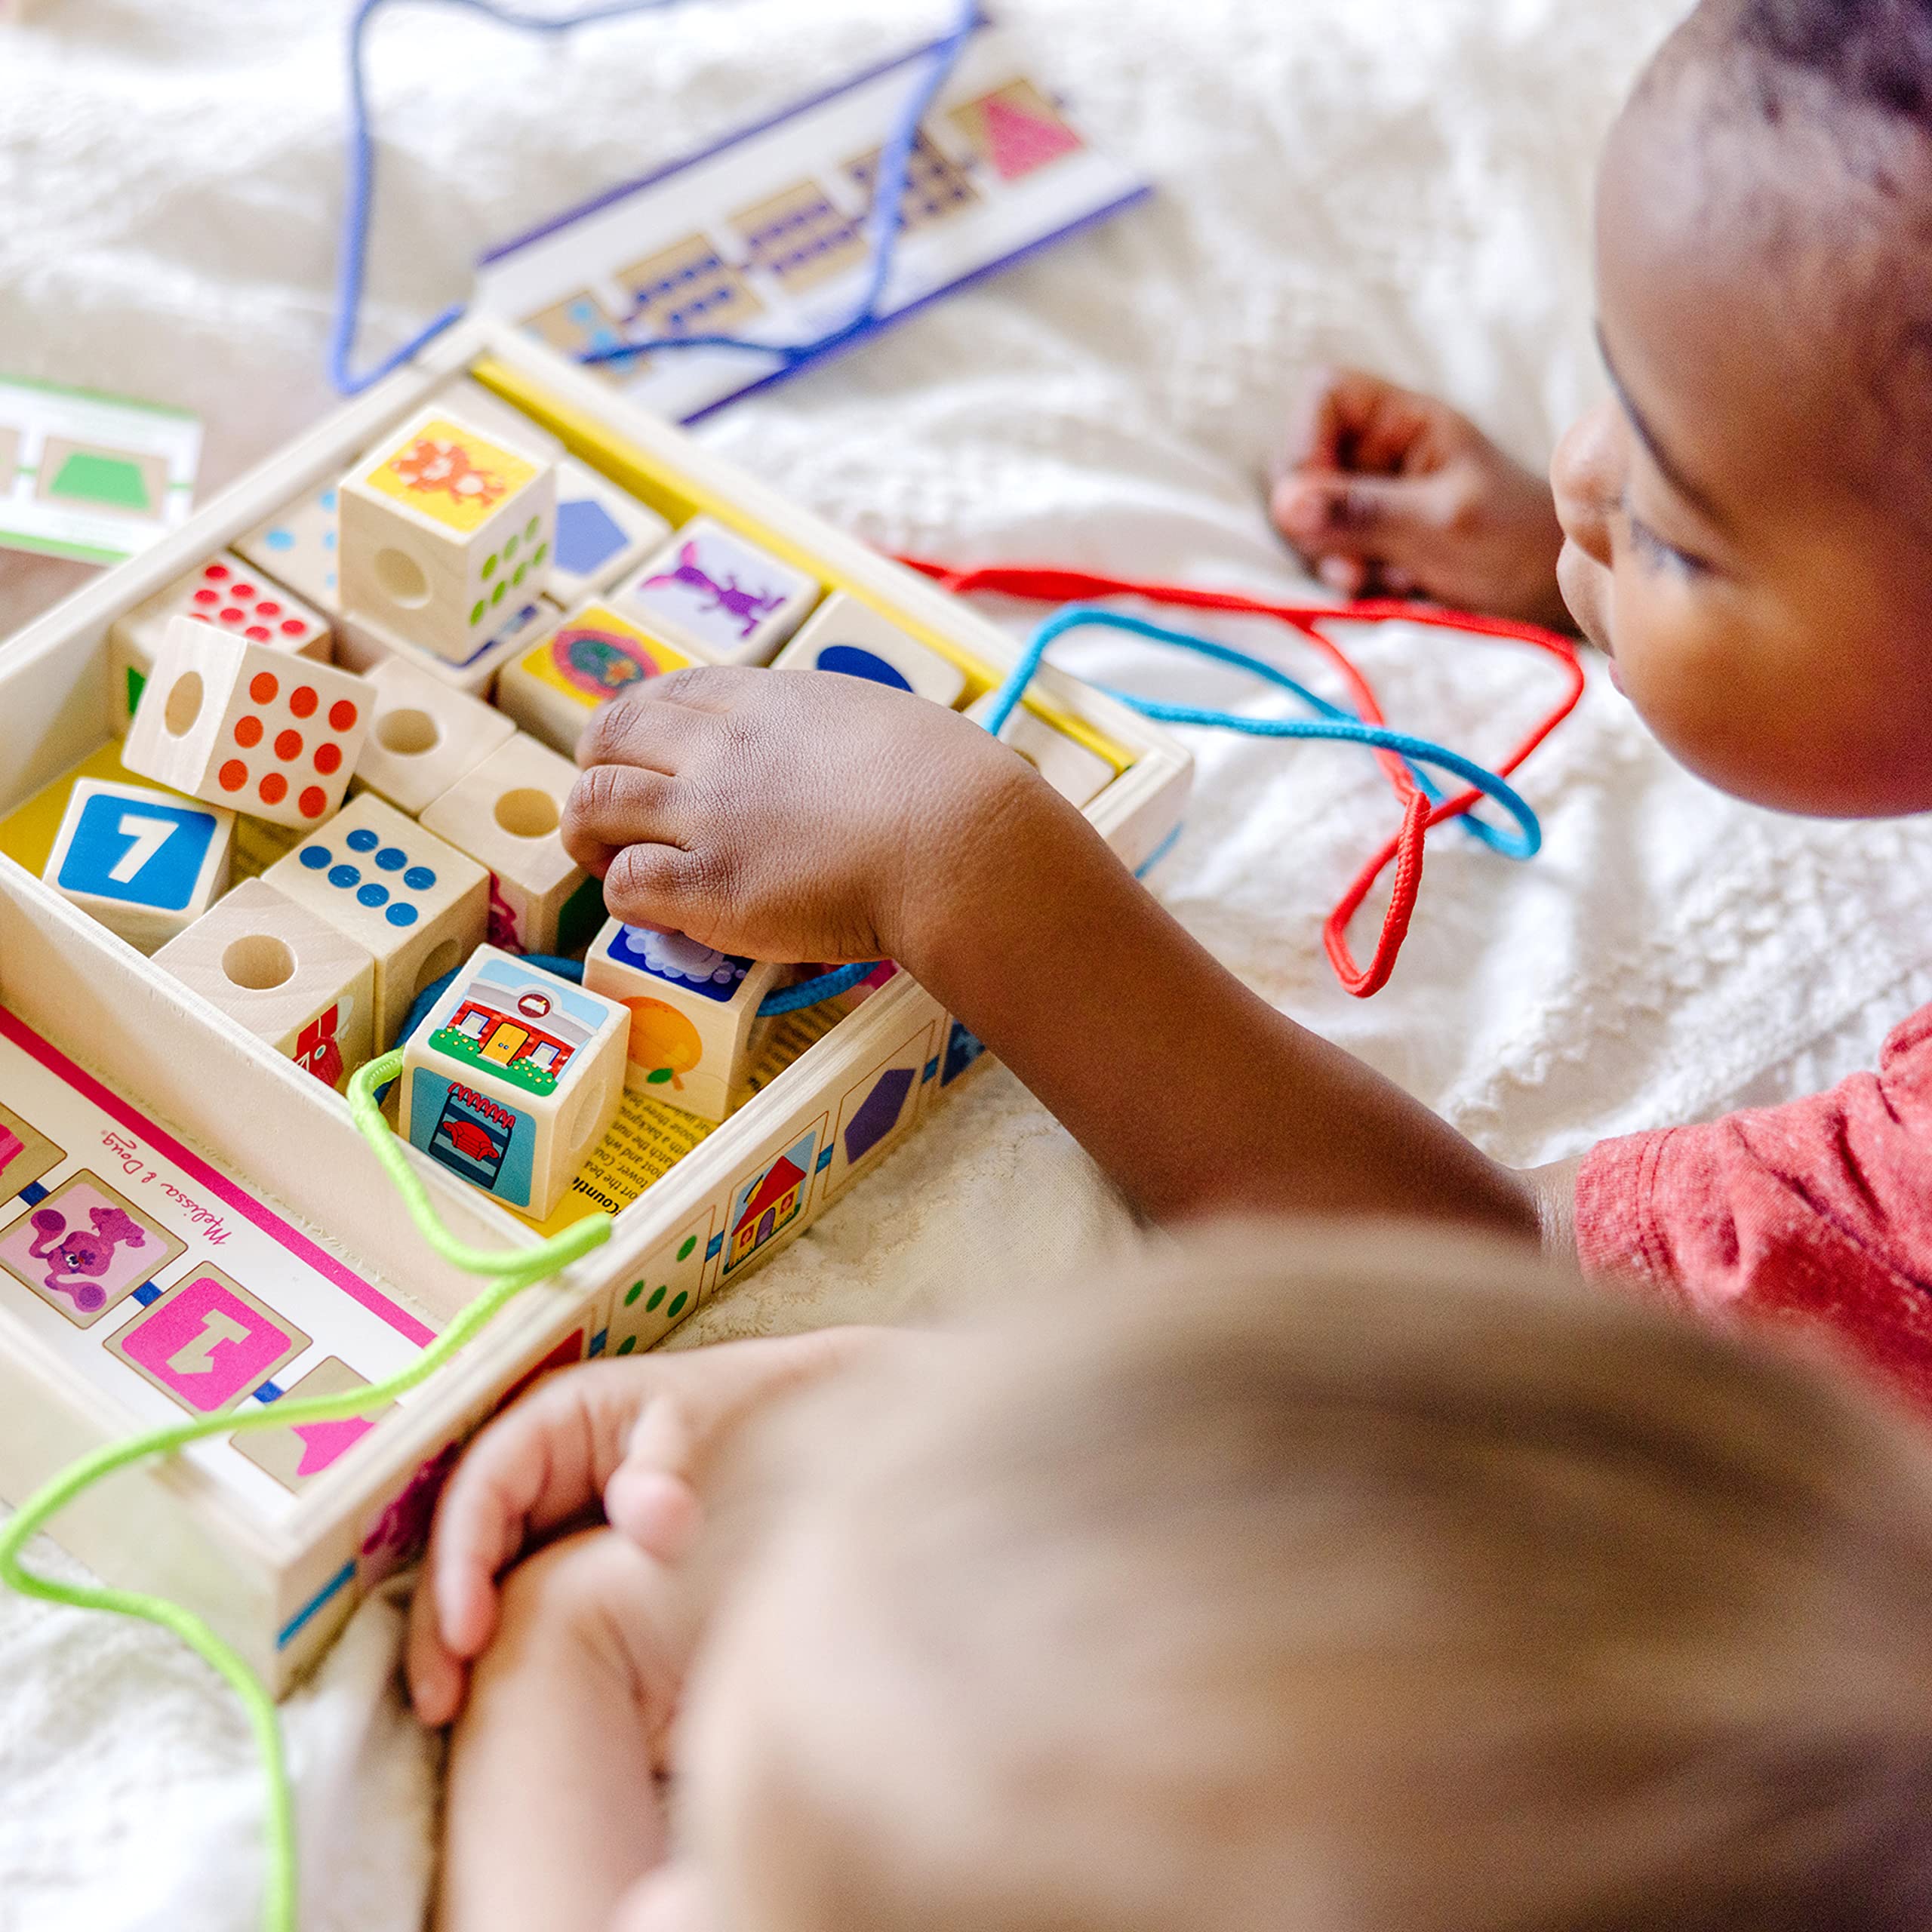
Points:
[[1404, 185]]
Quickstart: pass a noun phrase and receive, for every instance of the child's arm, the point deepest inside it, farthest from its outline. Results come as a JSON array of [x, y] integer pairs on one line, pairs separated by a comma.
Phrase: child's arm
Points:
[[552, 1813], [806, 816]]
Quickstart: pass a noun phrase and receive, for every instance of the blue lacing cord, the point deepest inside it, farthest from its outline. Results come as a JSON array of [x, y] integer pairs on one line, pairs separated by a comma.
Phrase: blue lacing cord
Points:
[[1331, 722], [884, 224]]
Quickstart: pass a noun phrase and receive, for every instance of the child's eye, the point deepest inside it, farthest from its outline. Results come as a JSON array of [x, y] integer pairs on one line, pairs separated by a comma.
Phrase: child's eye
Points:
[[1655, 550]]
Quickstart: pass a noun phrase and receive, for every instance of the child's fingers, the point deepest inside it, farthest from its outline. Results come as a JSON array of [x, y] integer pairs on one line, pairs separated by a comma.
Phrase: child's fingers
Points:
[[612, 806], [658, 1512], [1389, 520], [438, 1681], [542, 1463]]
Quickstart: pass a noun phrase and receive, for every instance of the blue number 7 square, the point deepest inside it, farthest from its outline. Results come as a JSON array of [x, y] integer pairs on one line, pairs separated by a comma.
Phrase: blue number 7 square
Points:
[[124, 850]]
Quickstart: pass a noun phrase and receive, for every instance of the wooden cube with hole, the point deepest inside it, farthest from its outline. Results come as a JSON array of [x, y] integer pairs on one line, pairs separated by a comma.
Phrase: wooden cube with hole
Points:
[[226, 594], [423, 737], [416, 904], [1077, 774], [239, 724], [447, 532], [506, 814], [292, 980], [694, 1015], [513, 1078]]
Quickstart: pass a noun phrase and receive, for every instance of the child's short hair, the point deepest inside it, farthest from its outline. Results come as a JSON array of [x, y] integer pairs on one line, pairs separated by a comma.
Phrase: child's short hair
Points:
[[1877, 53], [1318, 1580]]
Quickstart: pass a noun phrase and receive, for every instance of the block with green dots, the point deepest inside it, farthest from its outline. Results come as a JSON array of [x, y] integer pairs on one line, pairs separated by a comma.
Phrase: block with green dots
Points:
[[448, 530], [651, 1301]]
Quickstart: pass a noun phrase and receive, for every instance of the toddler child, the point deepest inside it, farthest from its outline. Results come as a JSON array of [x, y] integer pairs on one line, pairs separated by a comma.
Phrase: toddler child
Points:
[[1347, 1582], [1744, 530]]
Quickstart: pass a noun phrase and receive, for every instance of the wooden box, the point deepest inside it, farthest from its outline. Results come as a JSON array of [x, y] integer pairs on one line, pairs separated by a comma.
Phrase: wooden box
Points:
[[180, 1138]]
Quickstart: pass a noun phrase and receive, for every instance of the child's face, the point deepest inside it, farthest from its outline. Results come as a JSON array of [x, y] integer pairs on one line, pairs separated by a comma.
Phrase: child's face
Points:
[[1738, 541]]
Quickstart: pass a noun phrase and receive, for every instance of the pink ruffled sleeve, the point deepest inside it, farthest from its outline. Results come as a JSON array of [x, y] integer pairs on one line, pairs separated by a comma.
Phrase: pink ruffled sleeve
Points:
[[1818, 1214]]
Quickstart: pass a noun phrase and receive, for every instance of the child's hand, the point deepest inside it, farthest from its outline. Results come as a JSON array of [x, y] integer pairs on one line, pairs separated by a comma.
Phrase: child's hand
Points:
[[791, 817], [1382, 491], [630, 1436]]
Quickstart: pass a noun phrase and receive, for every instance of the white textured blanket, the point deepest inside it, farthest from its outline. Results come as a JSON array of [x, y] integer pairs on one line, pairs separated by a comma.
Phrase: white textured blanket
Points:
[[1399, 183]]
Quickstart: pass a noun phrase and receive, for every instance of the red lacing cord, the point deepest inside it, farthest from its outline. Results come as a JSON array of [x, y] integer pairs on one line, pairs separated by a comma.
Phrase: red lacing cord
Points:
[[1044, 584]]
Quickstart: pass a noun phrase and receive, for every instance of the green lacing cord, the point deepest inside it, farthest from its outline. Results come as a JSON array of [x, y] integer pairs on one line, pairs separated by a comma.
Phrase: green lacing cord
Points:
[[515, 1270]]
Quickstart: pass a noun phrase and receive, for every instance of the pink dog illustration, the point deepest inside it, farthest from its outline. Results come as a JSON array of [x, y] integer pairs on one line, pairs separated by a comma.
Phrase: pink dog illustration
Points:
[[73, 1254]]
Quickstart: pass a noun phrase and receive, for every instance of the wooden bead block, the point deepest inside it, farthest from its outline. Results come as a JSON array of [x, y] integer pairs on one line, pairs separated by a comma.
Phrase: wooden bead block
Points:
[[694, 1025], [423, 737], [146, 864], [236, 724], [442, 531], [280, 972], [712, 590], [603, 533], [298, 546], [849, 637], [1076, 774], [594, 655], [514, 1079], [363, 645], [417, 906], [505, 814], [229, 594]]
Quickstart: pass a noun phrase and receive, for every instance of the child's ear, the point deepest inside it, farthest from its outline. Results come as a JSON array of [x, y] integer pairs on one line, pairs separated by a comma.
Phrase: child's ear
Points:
[[675, 1898]]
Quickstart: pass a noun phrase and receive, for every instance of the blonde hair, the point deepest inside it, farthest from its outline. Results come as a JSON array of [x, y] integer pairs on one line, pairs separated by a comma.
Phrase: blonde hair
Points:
[[1307, 1580]]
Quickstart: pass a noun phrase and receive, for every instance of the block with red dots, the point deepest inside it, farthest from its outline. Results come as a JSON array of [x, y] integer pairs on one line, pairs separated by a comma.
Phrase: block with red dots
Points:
[[241, 724], [414, 904], [227, 593]]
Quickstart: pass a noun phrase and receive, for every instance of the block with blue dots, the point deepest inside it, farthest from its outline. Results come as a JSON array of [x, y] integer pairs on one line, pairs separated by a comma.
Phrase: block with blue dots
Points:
[[414, 903], [851, 638]]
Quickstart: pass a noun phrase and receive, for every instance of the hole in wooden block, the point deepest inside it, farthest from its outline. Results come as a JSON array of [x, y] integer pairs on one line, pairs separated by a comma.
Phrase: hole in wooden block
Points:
[[184, 704], [446, 958], [401, 578], [259, 963], [408, 733], [528, 814]]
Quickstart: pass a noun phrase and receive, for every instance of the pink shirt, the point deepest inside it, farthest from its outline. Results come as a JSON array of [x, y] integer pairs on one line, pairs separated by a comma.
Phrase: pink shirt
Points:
[[1817, 1213]]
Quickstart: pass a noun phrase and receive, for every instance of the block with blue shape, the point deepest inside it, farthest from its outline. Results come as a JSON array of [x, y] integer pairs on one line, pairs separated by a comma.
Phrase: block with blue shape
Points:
[[409, 899], [513, 1079], [603, 533], [694, 1025], [146, 863], [852, 639]]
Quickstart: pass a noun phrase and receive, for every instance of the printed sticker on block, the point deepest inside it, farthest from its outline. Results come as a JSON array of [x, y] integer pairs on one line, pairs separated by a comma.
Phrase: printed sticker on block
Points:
[[852, 639], [513, 1079], [770, 1200], [445, 533], [710, 588], [594, 656], [146, 864], [667, 1287]]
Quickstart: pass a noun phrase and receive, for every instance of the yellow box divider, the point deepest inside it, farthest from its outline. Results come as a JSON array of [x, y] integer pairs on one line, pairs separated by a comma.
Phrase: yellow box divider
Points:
[[678, 498]]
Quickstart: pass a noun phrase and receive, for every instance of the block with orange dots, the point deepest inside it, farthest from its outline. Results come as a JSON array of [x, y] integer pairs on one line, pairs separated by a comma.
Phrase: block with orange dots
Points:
[[223, 591], [695, 1028], [241, 725]]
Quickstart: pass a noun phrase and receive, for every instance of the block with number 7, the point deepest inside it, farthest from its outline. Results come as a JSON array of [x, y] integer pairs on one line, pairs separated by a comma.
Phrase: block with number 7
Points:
[[145, 863]]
